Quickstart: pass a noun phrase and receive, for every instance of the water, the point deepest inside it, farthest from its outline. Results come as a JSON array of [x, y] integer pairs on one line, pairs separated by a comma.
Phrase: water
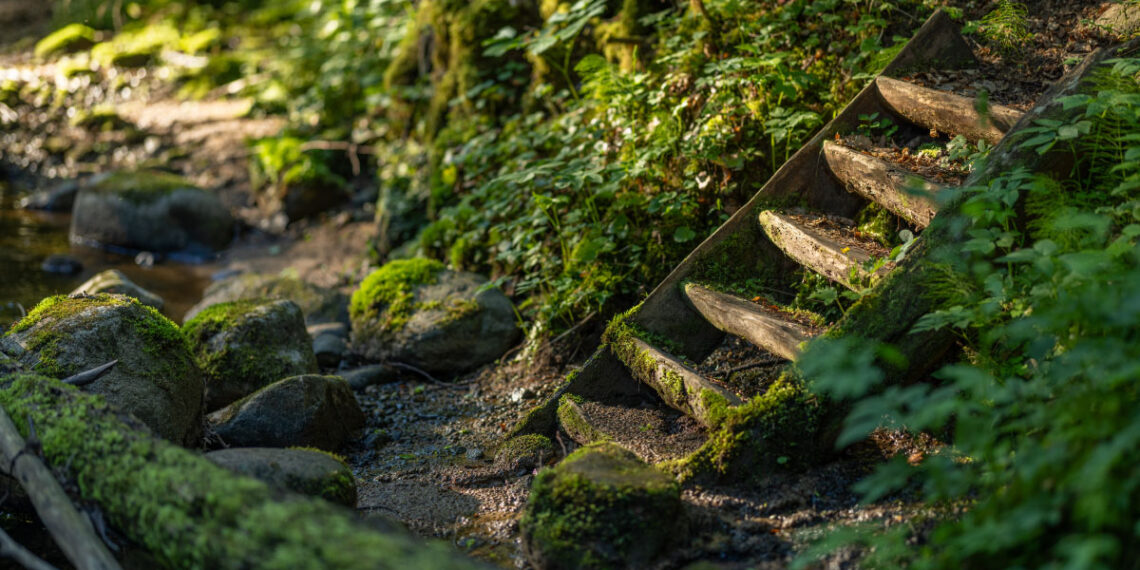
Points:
[[28, 237]]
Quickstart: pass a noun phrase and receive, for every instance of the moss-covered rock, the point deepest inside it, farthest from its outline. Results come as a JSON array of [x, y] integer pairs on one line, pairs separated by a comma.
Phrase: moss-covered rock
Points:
[[242, 346], [309, 411], [137, 46], [151, 211], [68, 39], [188, 512], [600, 508], [415, 311], [320, 305], [525, 452], [114, 282], [155, 379], [309, 472]]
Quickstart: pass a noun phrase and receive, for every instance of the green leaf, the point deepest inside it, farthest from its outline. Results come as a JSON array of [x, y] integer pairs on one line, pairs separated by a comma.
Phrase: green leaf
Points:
[[683, 234]]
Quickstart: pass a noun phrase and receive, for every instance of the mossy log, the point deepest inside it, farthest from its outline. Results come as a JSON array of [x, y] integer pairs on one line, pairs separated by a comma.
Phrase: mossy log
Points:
[[186, 511]]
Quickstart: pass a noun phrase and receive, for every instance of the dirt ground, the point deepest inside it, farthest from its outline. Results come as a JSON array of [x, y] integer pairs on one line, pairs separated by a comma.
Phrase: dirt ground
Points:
[[426, 457]]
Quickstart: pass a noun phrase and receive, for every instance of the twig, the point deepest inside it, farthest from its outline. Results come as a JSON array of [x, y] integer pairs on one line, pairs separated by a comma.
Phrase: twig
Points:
[[577, 326], [9, 548], [748, 366], [88, 376], [71, 530], [354, 151], [426, 376]]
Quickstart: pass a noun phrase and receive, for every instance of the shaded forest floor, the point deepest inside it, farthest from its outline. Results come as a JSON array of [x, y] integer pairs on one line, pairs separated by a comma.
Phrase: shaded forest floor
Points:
[[426, 457]]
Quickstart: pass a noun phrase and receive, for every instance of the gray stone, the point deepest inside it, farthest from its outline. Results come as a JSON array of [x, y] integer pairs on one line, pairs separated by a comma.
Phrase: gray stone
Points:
[[58, 198], [365, 376], [329, 349], [319, 305], [150, 211], [61, 264], [245, 345], [113, 281], [304, 471], [309, 410], [457, 324], [155, 379]]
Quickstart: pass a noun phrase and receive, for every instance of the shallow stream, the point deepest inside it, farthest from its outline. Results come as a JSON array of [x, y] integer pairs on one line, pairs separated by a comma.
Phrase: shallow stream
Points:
[[28, 237]]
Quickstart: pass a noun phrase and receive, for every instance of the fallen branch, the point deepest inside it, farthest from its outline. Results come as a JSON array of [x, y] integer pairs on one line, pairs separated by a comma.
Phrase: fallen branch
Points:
[[90, 376], [354, 151], [9, 548], [425, 375], [71, 530]]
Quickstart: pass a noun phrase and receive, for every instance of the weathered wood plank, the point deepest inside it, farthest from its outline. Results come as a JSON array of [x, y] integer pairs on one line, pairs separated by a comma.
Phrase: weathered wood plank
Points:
[[816, 251], [946, 112], [746, 320], [879, 182]]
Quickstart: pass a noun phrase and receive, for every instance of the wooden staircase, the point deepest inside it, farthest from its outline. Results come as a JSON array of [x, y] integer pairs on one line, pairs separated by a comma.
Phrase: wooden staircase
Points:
[[687, 316]]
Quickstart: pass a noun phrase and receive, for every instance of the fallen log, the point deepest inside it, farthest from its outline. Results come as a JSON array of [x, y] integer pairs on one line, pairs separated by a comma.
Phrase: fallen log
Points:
[[188, 512], [70, 529]]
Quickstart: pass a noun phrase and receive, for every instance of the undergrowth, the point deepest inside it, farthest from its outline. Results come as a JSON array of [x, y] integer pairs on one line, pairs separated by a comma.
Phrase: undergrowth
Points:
[[1040, 414]]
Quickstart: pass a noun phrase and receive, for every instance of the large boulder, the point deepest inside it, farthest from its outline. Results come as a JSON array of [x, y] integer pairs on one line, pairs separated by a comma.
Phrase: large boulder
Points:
[[600, 508], [416, 312], [244, 345], [151, 211], [308, 411], [113, 281], [306, 471], [319, 305], [155, 379]]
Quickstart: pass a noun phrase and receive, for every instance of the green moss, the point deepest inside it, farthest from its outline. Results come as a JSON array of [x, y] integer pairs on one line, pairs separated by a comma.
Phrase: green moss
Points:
[[340, 458], [388, 292], [142, 186], [600, 508], [774, 431], [572, 420], [70, 38], [524, 445], [249, 356], [138, 46], [57, 317], [186, 511]]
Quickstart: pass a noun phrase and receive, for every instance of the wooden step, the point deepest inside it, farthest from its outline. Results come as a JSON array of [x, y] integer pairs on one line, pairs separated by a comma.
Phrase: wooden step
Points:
[[765, 328], [882, 183], [817, 251], [681, 387], [946, 112]]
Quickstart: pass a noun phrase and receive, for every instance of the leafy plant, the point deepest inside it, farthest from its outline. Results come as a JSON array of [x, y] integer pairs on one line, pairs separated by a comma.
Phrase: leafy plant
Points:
[[1039, 416], [1006, 28]]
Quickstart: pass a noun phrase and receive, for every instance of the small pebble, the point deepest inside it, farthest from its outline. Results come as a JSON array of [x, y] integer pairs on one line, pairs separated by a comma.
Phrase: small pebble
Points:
[[62, 264], [520, 394], [474, 454]]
